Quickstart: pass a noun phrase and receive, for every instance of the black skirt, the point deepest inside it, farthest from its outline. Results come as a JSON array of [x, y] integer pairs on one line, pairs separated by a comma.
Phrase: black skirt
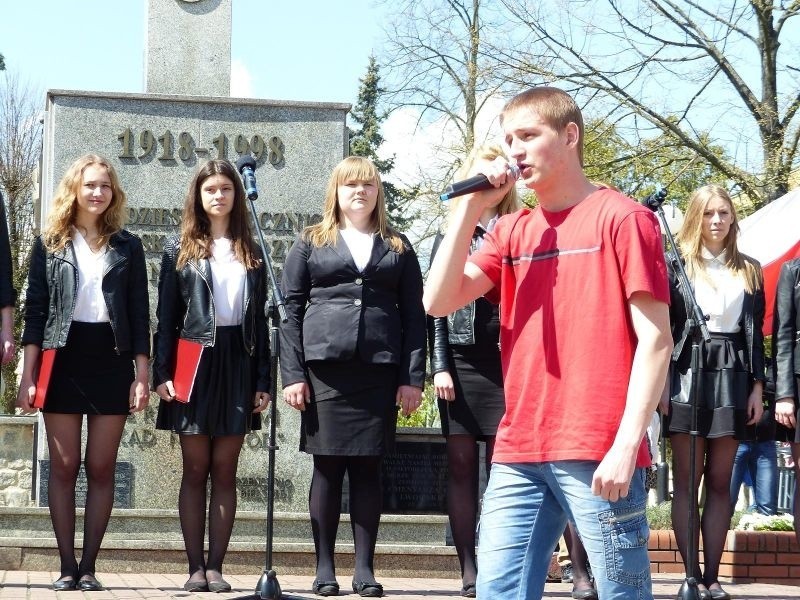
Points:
[[222, 397], [479, 402], [352, 411], [89, 377], [784, 434], [725, 386]]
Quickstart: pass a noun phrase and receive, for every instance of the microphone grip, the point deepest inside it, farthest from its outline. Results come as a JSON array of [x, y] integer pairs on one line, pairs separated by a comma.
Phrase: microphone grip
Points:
[[476, 183]]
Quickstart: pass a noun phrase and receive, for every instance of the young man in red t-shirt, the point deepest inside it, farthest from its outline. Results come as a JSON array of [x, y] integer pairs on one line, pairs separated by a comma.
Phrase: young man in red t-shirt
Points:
[[585, 344]]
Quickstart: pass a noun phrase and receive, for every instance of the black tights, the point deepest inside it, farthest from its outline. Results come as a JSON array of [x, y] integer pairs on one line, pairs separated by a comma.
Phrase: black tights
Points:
[[714, 463], [796, 502], [578, 557], [324, 505], [462, 497], [218, 457], [64, 442]]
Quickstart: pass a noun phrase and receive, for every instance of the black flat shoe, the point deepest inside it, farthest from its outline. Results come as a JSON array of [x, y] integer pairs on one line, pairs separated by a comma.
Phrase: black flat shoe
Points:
[[468, 590], [719, 594], [368, 590], [325, 588], [65, 583], [198, 585], [590, 594], [90, 584], [220, 585]]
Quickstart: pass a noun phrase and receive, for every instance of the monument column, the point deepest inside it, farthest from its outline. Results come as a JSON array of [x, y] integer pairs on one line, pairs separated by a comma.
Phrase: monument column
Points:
[[188, 47]]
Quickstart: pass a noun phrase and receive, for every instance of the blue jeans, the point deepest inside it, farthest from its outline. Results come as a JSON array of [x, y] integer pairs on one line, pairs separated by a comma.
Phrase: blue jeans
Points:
[[525, 509], [759, 461]]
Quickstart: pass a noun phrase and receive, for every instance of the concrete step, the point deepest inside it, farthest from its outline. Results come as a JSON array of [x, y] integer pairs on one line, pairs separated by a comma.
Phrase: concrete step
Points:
[[150, 541], [249, 528]]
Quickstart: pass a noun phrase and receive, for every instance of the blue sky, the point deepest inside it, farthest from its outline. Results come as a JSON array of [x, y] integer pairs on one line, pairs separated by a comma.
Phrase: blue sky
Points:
[[281, 49]]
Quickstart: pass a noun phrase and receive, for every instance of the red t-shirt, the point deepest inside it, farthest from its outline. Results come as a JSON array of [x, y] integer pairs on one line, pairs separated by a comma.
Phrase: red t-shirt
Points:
[[567, 341]]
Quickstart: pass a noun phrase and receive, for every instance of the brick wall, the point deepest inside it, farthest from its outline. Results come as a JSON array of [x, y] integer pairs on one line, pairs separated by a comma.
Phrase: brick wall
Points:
[[748, 557]]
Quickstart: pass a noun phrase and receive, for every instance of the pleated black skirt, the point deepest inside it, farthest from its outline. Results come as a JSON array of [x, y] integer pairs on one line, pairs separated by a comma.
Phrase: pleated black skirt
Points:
[[222, 397], [352, 410], [725, 385], [89, 377]]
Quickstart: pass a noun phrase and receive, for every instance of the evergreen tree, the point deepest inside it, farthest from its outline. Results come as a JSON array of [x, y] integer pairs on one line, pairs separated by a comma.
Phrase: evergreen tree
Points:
[[366, 140], [2, 63]]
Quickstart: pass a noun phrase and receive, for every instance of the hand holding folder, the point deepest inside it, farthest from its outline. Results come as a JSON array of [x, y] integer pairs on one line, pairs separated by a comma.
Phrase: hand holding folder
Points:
[[187, 359], [46, 360]]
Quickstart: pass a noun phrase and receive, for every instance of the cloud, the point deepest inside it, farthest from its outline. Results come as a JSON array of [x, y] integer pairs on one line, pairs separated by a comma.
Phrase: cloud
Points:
[[241, 80]]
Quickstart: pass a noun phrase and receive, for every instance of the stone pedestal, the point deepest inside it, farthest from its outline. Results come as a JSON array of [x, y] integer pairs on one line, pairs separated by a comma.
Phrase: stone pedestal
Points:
[[156, 143]]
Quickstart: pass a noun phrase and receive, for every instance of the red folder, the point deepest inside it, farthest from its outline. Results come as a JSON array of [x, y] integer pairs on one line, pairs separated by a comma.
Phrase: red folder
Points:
[[187, 359], [46, 359]]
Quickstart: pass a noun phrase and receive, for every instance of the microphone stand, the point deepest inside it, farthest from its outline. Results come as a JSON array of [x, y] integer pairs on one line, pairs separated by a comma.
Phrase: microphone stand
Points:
[[268, 587], [699, 331]]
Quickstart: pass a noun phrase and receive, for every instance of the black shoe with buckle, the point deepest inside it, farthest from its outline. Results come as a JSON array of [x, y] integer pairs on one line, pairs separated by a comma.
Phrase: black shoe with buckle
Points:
[[367, 589], [325, 588]]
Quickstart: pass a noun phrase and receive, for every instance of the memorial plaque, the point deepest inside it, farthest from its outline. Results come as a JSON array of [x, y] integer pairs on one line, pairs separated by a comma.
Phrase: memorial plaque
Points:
[[123, 484], [415, 478]]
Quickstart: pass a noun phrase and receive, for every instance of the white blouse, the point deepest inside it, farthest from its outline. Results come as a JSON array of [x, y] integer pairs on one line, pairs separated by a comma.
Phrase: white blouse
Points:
[[228, 277], [360, 246], [90, 306], [720, 294]]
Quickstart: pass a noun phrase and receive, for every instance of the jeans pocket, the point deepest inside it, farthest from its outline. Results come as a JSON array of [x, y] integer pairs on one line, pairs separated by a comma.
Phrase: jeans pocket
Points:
[[625, 536]]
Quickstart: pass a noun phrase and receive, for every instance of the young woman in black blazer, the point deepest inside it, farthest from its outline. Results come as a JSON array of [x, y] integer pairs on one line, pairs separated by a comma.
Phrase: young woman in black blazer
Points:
[[87, 298], [353, 350], [212, 290]]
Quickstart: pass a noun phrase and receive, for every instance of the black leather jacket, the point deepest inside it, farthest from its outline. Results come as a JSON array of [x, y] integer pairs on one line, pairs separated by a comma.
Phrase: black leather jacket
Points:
[[186, 310], [8, 295], [457, 328], [751, 321], [52, 293], [786, 330]]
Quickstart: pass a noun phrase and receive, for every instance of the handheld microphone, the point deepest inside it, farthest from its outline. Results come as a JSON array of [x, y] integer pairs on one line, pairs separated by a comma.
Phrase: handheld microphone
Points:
[[477, 183], [246, 165], [655, 200]]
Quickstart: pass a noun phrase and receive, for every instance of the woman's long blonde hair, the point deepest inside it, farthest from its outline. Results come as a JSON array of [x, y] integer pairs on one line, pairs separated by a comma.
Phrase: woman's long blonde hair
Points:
[[690, 239], [196, 240], [326, 232], [510, 202], [65, 205]]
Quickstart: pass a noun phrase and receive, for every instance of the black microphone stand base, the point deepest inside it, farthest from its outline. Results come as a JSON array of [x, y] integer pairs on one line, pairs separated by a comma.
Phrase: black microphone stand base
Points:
[[689, 590], [268, 587]]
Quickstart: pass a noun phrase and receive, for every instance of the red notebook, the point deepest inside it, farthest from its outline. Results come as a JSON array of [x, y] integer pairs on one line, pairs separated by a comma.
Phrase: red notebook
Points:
[[187, 359], [46, 359]]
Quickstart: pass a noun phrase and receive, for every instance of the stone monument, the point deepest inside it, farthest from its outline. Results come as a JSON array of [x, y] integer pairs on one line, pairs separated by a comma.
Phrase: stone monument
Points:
[[191, 37], [156, 141]]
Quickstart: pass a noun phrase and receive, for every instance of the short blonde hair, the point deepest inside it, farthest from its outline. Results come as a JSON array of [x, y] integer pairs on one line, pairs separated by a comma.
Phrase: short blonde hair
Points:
[[557, 108]]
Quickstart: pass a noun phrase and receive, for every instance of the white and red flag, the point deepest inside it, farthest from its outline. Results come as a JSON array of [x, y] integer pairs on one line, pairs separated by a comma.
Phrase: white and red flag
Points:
[[771, 235]]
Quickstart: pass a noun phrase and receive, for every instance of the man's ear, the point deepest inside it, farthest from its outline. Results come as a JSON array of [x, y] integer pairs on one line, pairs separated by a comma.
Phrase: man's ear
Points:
[[572, 133]]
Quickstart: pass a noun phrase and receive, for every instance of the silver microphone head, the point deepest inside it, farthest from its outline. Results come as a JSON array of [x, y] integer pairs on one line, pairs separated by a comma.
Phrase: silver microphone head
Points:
[[514, 170]]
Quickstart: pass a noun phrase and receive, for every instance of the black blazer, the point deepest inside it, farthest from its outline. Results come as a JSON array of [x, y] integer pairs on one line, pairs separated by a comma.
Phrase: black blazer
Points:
[[334, 311], [53, 286], [786, 330], [186, 310]]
